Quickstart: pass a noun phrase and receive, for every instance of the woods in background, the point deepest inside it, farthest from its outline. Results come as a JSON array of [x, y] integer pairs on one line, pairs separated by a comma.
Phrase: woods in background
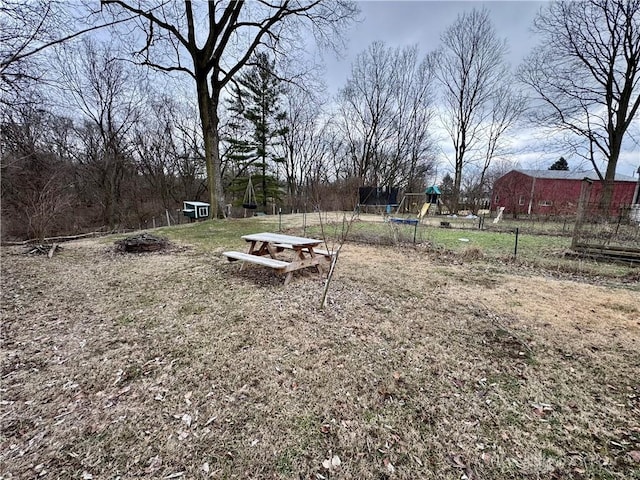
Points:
[[112, 117]]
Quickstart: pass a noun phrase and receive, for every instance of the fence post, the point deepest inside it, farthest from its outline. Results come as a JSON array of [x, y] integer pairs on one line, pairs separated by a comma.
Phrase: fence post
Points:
[[515, 249], [585, 192]]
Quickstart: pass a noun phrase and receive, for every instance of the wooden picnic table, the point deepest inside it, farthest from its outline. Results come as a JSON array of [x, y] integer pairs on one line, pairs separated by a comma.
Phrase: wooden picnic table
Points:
[[264, 248]]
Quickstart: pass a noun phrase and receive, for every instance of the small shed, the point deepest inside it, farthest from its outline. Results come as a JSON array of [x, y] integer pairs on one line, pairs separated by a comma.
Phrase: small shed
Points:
[[195, 210]]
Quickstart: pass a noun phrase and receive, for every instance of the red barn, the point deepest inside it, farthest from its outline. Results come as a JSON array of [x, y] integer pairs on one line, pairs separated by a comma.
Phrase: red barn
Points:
[[554, 192]]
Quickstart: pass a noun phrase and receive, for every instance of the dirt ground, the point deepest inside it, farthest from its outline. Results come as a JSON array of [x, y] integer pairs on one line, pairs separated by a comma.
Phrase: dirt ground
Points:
[[178, 365]]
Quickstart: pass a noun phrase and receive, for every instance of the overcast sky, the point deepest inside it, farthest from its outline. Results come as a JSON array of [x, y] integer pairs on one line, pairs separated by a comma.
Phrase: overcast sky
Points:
[[403, 23]]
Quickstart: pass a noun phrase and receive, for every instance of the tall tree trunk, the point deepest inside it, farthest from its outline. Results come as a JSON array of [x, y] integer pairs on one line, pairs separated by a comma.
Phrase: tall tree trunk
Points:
[[217, 166], [609, 179], [457, 179], [457, 183], [209, 118]]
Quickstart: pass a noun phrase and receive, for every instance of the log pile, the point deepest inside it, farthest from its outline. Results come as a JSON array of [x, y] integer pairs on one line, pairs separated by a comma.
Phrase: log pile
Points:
[[142, 243], [612, 253], [43, 249]]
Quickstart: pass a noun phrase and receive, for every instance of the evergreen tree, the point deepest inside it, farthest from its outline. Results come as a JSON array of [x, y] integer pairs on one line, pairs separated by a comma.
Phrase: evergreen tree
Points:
[[560, 164], [447, 190], [257, 134]]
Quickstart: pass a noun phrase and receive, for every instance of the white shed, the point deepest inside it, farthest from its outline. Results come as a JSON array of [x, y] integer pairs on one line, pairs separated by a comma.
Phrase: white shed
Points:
[[195, 210]]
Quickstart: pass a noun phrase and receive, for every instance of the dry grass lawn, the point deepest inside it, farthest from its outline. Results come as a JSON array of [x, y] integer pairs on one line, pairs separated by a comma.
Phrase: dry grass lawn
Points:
[[177, 365]]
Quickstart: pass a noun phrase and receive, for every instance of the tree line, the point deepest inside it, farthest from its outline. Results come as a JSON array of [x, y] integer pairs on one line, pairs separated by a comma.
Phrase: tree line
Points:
[[108, 130]]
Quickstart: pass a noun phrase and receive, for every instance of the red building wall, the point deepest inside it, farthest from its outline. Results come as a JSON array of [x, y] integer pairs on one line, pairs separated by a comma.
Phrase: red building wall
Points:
[[521, 194]]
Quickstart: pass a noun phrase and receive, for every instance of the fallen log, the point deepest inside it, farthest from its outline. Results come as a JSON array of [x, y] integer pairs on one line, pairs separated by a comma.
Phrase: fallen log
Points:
[[66, 238]]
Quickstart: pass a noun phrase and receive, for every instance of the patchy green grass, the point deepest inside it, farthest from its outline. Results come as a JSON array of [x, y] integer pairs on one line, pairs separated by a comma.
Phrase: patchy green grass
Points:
[[533, 250], [216, 233], [498, 244], [537, 250]]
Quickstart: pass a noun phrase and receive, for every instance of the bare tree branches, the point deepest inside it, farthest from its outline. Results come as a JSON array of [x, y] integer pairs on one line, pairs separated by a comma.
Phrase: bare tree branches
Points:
[[29, 28], [109, 97], [304, 148], [585, 77], [472, 72], [385, 116]]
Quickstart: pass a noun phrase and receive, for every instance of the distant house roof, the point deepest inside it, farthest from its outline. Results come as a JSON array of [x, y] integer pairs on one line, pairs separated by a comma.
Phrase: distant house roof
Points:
[[433, 190], [196, 203], [570, 175]]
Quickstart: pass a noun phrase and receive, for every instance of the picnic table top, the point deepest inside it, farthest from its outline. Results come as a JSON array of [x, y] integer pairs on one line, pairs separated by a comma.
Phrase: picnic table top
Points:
[[280, 238]]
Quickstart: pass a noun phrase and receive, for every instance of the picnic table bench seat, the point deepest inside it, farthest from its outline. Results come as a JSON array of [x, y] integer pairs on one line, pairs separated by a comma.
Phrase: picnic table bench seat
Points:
[[319, 251], [265, 261]]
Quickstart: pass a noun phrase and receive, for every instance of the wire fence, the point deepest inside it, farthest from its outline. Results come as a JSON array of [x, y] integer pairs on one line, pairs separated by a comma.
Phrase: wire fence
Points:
[[589, 235], [530, 238], [604, 231]]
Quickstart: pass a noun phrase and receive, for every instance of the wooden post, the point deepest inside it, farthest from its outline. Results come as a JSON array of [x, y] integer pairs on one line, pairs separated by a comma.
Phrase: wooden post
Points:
[[583, 207], [636, 194], [531, 195]]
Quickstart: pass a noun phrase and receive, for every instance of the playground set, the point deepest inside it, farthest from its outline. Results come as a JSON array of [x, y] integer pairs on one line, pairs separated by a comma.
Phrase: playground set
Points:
[[412, 208], [418, 204]]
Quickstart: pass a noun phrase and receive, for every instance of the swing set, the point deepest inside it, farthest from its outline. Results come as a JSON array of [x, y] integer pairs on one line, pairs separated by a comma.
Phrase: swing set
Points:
[[249, 200]]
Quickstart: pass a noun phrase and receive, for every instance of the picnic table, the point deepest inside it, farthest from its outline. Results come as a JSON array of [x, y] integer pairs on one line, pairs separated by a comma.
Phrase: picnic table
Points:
[[264, 249]]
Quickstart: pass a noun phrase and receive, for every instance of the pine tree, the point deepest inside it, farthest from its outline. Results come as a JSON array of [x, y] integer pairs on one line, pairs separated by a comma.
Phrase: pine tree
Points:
[[256, 131], [447, 189], [560, 164]]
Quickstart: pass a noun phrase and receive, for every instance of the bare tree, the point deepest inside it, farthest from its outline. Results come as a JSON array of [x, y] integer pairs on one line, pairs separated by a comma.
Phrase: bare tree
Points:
[[21, 25], [385, 116], [586, 77], [304, 147], [413, 149], [472, 71], [108, 96], [366, 106], [27, 29], [46, 204], [232, 33], [505, 110], [36, 175], [164, 157]]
